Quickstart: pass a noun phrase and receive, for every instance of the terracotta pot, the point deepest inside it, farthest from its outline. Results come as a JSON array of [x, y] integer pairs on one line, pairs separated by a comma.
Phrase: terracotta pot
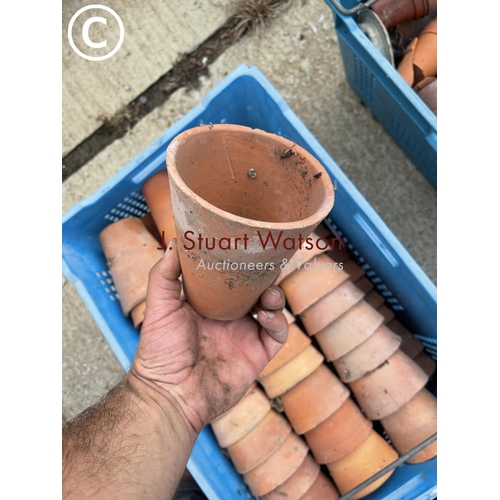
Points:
[[137, 314], [131, 251], [349, 331], [241, 418], [410, 345], [384, 390], [297, 341], [362, 463], [292, 372], [426, 363], [313, 281], [147, 220], [425, 53], [260, 443], [405, 68], [394, 12], [298, 484], [427, 91], [331, 307], [368, 355], [412, 424], [353, 270], [156, 190], [314, 399], [274, 471], [237, 187], [364, 284], [339, 434], [387, 313], [299, 258], [322, 489], [374, 299]]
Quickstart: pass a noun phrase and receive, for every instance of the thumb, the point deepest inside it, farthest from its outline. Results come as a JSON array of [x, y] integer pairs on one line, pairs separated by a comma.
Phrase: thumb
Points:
[[164, 287]]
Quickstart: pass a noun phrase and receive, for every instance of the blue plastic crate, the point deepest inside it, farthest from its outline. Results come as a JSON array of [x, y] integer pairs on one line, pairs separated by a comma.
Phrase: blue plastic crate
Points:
[[246, 97], [390, 99]]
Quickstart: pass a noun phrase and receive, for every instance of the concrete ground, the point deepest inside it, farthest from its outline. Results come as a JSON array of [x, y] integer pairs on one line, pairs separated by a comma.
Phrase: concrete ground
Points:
[[298, 52]]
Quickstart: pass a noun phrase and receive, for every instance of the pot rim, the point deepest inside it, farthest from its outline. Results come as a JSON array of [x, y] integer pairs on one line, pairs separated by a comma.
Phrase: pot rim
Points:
[[315, 219]]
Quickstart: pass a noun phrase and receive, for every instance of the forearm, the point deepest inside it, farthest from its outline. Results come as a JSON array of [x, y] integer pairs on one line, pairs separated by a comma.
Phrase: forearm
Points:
[[134, 444]]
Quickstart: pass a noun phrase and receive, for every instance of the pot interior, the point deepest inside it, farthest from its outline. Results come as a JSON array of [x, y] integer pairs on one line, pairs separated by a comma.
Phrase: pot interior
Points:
[[248, 174]]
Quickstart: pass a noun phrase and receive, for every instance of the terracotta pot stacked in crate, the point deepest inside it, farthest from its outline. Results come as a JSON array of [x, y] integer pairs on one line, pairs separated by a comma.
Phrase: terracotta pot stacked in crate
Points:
[[131, 246], [274, 461], [318, 406], [131, 251], [352, 334]]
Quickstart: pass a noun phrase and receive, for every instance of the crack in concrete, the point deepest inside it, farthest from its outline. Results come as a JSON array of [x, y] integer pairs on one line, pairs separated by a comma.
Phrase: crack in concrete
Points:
[[250, 16]]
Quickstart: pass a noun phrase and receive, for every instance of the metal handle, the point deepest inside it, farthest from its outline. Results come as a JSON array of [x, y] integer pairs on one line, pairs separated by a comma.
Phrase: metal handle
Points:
[[349, 12]]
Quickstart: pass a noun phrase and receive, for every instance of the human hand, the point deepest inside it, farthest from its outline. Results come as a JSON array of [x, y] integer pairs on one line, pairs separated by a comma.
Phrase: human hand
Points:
[[204, 365]]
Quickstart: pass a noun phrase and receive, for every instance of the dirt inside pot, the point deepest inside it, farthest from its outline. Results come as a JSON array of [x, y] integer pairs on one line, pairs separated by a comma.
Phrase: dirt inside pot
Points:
[[251, 176]]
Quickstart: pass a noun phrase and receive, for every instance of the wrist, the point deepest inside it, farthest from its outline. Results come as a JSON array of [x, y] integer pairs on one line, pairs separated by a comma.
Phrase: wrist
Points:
[[159, 404]]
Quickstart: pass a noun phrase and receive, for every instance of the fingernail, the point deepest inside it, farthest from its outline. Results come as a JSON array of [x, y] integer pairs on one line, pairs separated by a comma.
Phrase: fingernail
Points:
[[274, 292], [268, 314]]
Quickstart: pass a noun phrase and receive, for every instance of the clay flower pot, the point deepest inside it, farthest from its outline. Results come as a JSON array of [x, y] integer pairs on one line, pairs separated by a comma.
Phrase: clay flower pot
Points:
[[306, 286], [384, 390], [241, 418], [131, 251], [339, 434], [298, 484], [374, 299], [412, 424], [426, 363], [245, 198], [156, 190], [260, 443], [349, 331], [364, 284], [331, 307], [427, 91], [425, 52], [297, 341], [394, 12], [362, 463], [387, 313], [410, 345], [405, 68], [299, 258], [368, 355], [274, 471], [322, 489], [290, 374], [314, 399]]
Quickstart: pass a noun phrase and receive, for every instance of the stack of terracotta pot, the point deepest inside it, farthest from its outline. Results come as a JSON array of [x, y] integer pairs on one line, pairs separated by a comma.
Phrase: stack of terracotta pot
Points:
[[388, 385], [318, 406], [131, 246], [131, 251], [413, 24], [274, 461]]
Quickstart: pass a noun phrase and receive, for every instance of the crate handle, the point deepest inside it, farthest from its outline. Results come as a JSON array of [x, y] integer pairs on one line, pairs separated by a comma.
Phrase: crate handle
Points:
[[335, 4]]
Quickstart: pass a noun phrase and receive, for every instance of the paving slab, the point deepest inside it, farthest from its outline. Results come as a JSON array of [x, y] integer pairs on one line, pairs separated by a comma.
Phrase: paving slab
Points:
[[299, 54], [155, 34]]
